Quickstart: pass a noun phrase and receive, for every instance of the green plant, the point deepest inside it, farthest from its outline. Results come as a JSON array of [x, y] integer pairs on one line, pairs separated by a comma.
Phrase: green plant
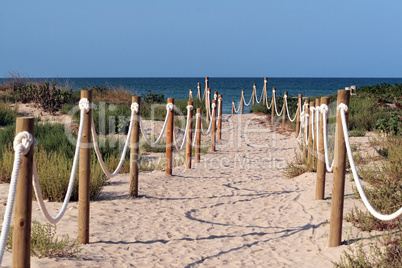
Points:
[[8, 115], [45, 243], [151, 97]]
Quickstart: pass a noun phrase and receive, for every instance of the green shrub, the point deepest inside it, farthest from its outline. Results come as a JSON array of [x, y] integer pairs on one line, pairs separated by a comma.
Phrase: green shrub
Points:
[[44, 242], [8, 115]]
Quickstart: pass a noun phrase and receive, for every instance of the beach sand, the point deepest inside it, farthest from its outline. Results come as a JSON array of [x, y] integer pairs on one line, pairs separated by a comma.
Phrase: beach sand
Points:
[[234, 209]]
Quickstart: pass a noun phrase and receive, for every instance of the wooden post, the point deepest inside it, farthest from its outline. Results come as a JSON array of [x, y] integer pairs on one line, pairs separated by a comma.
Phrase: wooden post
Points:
[[254, 93], [233, 106], [169, 140], [321, 169], [299, 105], [219, 134], [190, 95], [23, 201], [338, 186], [206, 96], [306, 122], [189, 136], [310, 135], [85, 175], [284, 110], [273, 107], [213, 128], [198, 137], [135, 149], [316, 114], [242, 101], [264, 98], [199, 91]]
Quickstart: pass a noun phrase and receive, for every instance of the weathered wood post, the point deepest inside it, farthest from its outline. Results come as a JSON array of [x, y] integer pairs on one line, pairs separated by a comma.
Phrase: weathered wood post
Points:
[[316, 130], [320, 184], [299, 105], [338, 186], [273, 106], [199, 91], [242, 101], [310, 155], [169, 140], [85, 174], [305, 134], [219, 134], [209, 104], [23, 201], [213, 127], [233, 106], [284, 110], [190, 95], [135, 148], [198, 137], [189, 135], [264, 90], [254, 93]]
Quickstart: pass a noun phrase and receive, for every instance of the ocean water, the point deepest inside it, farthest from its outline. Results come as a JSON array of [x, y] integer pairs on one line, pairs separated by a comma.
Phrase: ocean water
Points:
[[230, 88]]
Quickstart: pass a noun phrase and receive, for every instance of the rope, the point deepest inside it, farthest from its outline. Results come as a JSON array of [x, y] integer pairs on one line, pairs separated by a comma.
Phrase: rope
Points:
[[219, 110], [306, 116], [210, 124], [22, 145], [324, 110], [123, 155], [249, 101], [312, 109], [274, 97], [36, 186], [189, 107], [317, 120], [342, 108], [287, 109], [199, 91], [262, 95], [169, 107]]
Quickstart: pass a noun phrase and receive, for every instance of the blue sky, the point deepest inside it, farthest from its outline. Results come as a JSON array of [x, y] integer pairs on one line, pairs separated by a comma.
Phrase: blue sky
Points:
[[188, 38]]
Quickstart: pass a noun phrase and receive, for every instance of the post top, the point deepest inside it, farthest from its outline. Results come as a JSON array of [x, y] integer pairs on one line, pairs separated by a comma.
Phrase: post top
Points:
[[190, 103], [220, 95]]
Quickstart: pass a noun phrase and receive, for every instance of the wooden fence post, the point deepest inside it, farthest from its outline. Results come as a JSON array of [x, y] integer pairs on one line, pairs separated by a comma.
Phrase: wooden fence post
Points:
[[135, 149], [199, 91], [316, 114], [189, 136], [233, 106], [321, 169], [169, 140], [300, 107], [264, 90], [209, 104], [213, 127], [85, 174], [220, 101], [306, 124], [338, 187], [242, 101], [206, 98], [284, 110], [198, 137], [190, 95], [23, 201], [254, 93], [273, 106]]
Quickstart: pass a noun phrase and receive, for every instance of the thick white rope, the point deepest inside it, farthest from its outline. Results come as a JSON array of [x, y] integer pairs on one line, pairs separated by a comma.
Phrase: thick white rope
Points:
[[210, 124], [22, 145], [249, 101], [312, 109], [262, 95], [287, 109], [38, 192], [169, 107], [219, 111], [273, 96], [266, 102], [134, 110], [306, 138], [342, 108], [317, 125], [324, 110], [209, 104], [189, 107], [234, 108]]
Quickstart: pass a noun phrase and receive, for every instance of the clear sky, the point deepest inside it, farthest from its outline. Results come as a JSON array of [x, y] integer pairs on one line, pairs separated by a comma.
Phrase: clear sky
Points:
[[189, 38]]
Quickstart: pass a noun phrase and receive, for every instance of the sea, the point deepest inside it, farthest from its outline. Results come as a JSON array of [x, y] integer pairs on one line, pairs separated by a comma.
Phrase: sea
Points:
[[229, 87]]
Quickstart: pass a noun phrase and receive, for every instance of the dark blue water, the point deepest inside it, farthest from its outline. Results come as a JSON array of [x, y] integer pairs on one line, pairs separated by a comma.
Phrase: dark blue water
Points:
[[230, 88]]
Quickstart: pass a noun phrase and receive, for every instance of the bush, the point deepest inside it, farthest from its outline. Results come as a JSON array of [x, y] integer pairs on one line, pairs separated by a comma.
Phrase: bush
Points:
[[8, 115], [44, 242]]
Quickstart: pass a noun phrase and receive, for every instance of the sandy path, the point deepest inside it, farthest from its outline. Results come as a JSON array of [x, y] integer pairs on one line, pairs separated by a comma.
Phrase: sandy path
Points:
[[234, 209]]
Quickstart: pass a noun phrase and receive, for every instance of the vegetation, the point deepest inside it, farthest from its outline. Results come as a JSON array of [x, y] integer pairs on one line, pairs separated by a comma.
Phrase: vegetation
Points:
[[44, 242]]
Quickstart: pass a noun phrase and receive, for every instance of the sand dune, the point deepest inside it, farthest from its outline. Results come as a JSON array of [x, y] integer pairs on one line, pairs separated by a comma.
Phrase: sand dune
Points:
[[234, 209]]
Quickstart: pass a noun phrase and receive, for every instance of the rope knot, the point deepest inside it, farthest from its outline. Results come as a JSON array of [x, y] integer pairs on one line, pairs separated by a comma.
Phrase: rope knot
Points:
[[215, 96], [24, 139], [84, 105], [285, 96], [190, 107], [135, 107], [169, 107], [213, 105], [343, 106], [220, 99], [324, 108]]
